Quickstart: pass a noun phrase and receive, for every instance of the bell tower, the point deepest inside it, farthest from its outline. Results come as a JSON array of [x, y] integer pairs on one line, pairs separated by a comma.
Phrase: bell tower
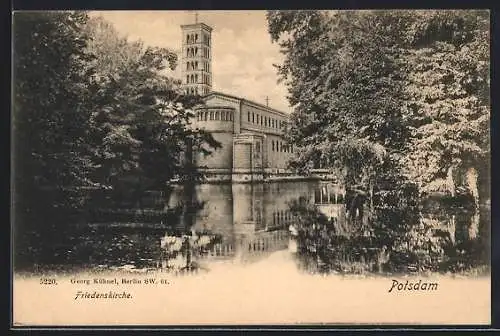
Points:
[[196, 58]]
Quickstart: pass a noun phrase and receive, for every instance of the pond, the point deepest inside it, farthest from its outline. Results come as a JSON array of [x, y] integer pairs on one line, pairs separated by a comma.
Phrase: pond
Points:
[[245, 223]]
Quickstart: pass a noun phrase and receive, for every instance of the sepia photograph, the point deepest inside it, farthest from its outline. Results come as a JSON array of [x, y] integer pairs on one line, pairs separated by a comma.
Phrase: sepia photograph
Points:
[[263, 167]]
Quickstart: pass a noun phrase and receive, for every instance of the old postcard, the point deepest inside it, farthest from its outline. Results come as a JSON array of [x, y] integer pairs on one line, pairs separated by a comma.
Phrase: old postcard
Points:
[[251, 168]]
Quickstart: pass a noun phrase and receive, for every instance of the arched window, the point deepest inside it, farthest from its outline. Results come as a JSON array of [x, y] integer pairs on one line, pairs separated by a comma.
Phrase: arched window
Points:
[[248, 116], [196, 78], [196, 51], [196, 91], [187, 39], [253, 118], [272, 144], [216, 115], [206, 115], [230, 116], [196, 38]]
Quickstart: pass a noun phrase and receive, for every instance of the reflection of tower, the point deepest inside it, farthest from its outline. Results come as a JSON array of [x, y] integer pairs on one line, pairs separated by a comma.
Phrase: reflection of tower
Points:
[[196, 58], [245, 211]]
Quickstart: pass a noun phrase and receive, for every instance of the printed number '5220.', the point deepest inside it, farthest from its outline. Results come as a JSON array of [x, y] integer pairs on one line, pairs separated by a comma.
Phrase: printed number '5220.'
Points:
[[47, 281]]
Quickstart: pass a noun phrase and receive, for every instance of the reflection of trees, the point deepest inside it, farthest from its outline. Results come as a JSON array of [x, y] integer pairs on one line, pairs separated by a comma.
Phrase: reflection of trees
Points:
[[181, 246], [179, 251], [323, 245], [399, 236]]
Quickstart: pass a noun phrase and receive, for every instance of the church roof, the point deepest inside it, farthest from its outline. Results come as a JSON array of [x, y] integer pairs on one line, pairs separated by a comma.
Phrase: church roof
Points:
[[216, 93]]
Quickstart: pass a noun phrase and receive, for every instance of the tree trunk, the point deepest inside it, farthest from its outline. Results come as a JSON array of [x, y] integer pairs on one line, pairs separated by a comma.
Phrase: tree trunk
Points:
[[471, 177], [371, 198], [450, 182], [452, 228], [474, 225]]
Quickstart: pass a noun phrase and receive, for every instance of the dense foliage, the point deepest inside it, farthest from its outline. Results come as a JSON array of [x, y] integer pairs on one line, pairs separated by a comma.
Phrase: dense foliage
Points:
[[372, 87], [91, 111], [396, 104]]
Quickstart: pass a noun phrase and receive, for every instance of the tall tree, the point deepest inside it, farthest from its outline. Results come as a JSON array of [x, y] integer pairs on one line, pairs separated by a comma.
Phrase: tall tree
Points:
[[448, 93], [344, 77], [142, 121], [52, 160]]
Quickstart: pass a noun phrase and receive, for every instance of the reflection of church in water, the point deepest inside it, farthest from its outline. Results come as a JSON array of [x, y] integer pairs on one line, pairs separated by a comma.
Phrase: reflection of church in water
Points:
[[254, 219]]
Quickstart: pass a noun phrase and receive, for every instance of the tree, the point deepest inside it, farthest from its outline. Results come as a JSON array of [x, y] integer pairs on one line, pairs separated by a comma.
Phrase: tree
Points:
[[448, 92], [343, 72], [142, 119], [52, 160], [91, 110]]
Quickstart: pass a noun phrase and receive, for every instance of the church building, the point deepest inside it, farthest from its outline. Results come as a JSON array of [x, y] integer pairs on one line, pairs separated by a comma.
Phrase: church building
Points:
[[250, 133]]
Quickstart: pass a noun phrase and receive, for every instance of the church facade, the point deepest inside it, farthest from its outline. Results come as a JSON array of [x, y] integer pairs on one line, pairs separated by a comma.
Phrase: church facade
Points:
[[250, 133]]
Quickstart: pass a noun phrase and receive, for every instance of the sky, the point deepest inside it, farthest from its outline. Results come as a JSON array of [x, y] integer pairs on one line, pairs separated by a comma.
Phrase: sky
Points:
[[242, 52]]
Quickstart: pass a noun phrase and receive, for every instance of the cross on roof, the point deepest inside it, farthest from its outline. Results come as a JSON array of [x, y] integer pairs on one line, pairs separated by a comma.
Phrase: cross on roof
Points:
[[195, 17]]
